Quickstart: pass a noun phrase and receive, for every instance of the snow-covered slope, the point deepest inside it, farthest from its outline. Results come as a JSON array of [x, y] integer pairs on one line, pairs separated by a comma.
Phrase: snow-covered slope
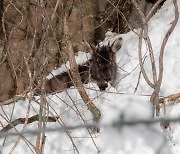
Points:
[[116, 104]]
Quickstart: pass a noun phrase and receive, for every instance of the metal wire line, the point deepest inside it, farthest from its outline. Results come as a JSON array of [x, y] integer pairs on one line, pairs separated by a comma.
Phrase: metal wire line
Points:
[[117, 124]]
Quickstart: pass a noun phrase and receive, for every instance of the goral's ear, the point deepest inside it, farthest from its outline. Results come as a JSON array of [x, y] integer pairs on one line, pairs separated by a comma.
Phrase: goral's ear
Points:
[[116, 45], [89, 47]]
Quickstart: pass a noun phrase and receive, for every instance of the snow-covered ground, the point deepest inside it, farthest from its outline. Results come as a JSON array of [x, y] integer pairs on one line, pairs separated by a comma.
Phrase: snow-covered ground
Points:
[[116, 104]]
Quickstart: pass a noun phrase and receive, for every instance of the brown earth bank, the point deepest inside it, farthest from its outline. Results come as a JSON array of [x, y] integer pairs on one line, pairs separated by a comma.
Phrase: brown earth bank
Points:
[[32, 35]]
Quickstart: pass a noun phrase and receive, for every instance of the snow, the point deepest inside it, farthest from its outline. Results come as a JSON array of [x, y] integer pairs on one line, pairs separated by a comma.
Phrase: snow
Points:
[[81, 58], [118, 103]]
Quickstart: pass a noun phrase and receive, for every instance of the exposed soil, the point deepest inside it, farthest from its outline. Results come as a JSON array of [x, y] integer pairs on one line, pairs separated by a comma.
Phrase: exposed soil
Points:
[[31, 44]]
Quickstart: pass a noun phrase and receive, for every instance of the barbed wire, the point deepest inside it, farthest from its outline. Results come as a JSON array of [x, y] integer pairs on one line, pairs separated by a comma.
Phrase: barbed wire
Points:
[[121, 122]]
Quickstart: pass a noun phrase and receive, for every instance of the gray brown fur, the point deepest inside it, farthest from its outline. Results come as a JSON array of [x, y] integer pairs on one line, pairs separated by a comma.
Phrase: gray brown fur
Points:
[[101, 69]]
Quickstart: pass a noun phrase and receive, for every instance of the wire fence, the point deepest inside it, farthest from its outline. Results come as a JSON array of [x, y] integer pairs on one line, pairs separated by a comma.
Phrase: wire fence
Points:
[[119, 124]]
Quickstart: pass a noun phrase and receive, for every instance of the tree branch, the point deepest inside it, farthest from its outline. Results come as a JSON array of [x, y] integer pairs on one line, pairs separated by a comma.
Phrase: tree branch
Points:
[[76, 77], [32, 119], [170, 98]]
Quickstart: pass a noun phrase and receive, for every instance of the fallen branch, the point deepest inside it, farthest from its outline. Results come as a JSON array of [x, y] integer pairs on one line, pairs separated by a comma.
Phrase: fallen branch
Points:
[[32, 119], [15, 98], [12, 100]]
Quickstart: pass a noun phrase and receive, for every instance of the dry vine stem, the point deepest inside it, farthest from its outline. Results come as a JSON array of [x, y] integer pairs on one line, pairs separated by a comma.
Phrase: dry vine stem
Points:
[[157, 79], [76, 77]]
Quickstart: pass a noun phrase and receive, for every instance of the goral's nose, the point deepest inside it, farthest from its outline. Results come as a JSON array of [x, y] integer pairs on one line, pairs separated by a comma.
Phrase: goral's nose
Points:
[[107, 78]]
